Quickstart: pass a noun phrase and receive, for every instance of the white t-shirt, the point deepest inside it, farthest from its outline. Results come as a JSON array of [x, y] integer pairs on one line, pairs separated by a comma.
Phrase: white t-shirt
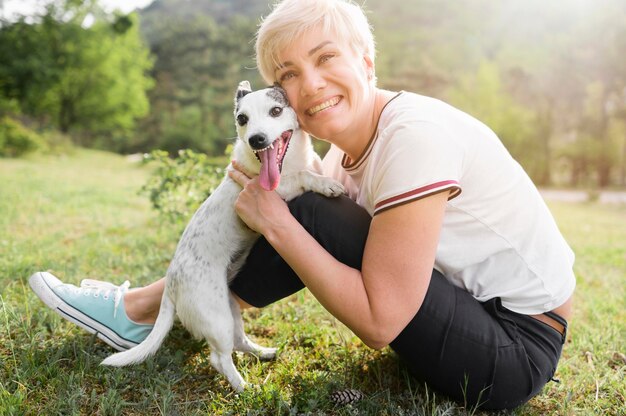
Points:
[[498, 237]]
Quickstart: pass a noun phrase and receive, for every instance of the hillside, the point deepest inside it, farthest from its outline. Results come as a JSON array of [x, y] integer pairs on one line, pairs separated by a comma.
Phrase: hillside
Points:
[[219, 10]]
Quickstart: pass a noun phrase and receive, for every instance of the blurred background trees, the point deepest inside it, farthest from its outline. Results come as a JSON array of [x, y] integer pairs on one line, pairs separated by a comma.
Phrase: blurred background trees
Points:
[[548, 77], [87, 82]]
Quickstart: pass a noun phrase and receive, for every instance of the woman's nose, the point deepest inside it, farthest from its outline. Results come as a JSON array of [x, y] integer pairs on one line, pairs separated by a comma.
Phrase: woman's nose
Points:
[[312, 82]]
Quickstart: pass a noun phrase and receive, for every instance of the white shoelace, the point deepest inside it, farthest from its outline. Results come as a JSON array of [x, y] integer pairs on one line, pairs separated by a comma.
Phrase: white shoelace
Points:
[[106, 289]]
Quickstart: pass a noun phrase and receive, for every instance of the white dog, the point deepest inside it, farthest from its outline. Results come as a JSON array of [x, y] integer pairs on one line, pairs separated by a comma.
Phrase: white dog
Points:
[[216, 242]]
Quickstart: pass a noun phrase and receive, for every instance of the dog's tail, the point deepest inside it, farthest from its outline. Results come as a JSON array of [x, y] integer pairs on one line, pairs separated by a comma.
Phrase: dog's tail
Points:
[[151, 344]]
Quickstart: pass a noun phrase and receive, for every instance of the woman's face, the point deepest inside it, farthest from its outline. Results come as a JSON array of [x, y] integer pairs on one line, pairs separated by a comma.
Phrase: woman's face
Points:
[[327, 83]]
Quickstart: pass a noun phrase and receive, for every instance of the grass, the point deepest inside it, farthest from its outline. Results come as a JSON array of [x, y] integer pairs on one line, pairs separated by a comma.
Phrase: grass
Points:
[[81, 215]]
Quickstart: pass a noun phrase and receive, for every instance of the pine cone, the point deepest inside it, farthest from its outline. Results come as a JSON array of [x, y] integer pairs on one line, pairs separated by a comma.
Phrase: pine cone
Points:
[[346, 396]]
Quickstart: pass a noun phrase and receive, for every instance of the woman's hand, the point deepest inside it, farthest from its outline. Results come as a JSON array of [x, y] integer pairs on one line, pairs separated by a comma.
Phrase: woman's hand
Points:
[[259, 209]]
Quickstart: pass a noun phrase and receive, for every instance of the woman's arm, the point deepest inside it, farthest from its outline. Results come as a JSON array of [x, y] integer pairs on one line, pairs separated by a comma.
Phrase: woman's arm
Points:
[[377, 302]]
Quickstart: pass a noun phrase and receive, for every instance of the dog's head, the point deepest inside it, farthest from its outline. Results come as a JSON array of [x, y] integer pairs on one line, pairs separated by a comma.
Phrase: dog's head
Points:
[[265, 122]]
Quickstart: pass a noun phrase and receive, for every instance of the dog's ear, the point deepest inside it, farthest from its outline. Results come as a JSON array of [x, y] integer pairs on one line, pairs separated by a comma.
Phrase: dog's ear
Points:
[[282, 92], [242, 89], [277, 86], [278, 94]]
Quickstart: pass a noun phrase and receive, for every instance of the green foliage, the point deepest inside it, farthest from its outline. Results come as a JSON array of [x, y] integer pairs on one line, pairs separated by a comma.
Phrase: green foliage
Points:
[[541, 59], [546, 56], [57, 143], [221, 11], [179, 185], [9, 106], [108, 87], [90, 81], [554, 82], [482, 95], [199, 64], [16, 139]]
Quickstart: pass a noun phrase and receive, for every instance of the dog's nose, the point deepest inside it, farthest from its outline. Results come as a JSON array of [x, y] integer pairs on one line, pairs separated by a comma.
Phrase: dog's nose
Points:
[[258, 141]]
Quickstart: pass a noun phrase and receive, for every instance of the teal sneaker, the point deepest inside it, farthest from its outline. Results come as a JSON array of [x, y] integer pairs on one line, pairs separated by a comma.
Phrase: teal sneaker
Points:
[[95, 306]]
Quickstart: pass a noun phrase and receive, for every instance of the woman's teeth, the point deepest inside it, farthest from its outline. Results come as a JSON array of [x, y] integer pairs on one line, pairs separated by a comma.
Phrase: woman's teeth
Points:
[[323, 106]]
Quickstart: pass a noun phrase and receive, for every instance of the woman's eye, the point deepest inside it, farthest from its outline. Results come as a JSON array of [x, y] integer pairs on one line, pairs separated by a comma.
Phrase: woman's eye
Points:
[[325, 58], [242, 120], [276, 111], [286, 76]]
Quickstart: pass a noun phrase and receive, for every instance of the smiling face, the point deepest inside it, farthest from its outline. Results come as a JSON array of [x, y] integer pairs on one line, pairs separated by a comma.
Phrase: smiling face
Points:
[[265, 122], [329, 85]]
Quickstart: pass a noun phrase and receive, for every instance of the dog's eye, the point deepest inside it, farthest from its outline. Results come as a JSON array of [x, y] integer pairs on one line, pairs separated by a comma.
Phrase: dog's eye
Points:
[[276, 111], [242, 119]]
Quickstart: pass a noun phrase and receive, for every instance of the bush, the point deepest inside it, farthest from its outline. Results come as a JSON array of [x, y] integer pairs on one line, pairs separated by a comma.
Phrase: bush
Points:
[[57, 143], [16, 139], [179, 185]]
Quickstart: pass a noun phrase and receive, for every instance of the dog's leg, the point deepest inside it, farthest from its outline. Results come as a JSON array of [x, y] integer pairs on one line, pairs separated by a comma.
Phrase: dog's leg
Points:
[[222, 361], [214, 323], [222, 356], [241, 341], [295, 184]]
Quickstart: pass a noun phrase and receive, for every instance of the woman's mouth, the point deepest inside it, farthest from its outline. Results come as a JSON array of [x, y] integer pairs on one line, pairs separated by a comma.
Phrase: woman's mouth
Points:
[[323, 106]]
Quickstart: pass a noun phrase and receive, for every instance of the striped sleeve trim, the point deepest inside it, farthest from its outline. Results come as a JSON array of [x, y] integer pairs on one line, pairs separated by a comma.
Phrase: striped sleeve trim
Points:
[[419, 193]]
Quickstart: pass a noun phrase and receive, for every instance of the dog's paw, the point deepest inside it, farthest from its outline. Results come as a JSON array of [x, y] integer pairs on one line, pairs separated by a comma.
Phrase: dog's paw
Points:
[[332, 188], [266, 354], [240, 387]]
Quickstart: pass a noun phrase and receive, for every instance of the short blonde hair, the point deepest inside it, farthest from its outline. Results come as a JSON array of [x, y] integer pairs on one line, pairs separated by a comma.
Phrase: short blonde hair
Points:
[[290, 19]]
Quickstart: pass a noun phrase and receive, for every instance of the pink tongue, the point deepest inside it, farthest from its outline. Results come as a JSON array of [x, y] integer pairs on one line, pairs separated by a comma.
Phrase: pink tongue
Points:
[[269, 177]]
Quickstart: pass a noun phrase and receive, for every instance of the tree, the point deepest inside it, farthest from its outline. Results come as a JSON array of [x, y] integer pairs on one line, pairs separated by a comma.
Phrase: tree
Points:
[[88, 81], [199, 65], [482, 95]]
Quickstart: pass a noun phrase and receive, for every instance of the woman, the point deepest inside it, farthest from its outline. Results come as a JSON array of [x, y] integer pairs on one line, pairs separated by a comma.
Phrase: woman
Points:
[[449, 254]]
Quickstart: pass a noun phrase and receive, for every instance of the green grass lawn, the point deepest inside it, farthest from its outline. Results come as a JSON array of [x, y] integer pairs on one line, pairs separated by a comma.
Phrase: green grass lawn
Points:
[[81, 216]]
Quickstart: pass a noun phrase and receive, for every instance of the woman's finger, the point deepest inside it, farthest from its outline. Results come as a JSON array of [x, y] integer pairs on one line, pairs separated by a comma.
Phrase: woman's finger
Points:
[[239, 177], [242, 169]]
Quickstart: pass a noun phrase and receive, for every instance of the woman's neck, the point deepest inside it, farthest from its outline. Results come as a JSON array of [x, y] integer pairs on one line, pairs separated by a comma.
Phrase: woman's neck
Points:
[[360, 137]]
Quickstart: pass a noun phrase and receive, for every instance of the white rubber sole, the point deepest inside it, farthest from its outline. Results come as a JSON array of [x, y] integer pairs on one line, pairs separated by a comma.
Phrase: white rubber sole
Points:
[[40, 284]]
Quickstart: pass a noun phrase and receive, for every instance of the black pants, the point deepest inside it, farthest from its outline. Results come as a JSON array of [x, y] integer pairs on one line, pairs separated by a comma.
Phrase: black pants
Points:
[[480, 354]]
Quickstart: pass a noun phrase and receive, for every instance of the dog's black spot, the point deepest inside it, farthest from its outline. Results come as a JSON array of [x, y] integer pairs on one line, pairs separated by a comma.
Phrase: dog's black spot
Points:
[[278, 94]]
